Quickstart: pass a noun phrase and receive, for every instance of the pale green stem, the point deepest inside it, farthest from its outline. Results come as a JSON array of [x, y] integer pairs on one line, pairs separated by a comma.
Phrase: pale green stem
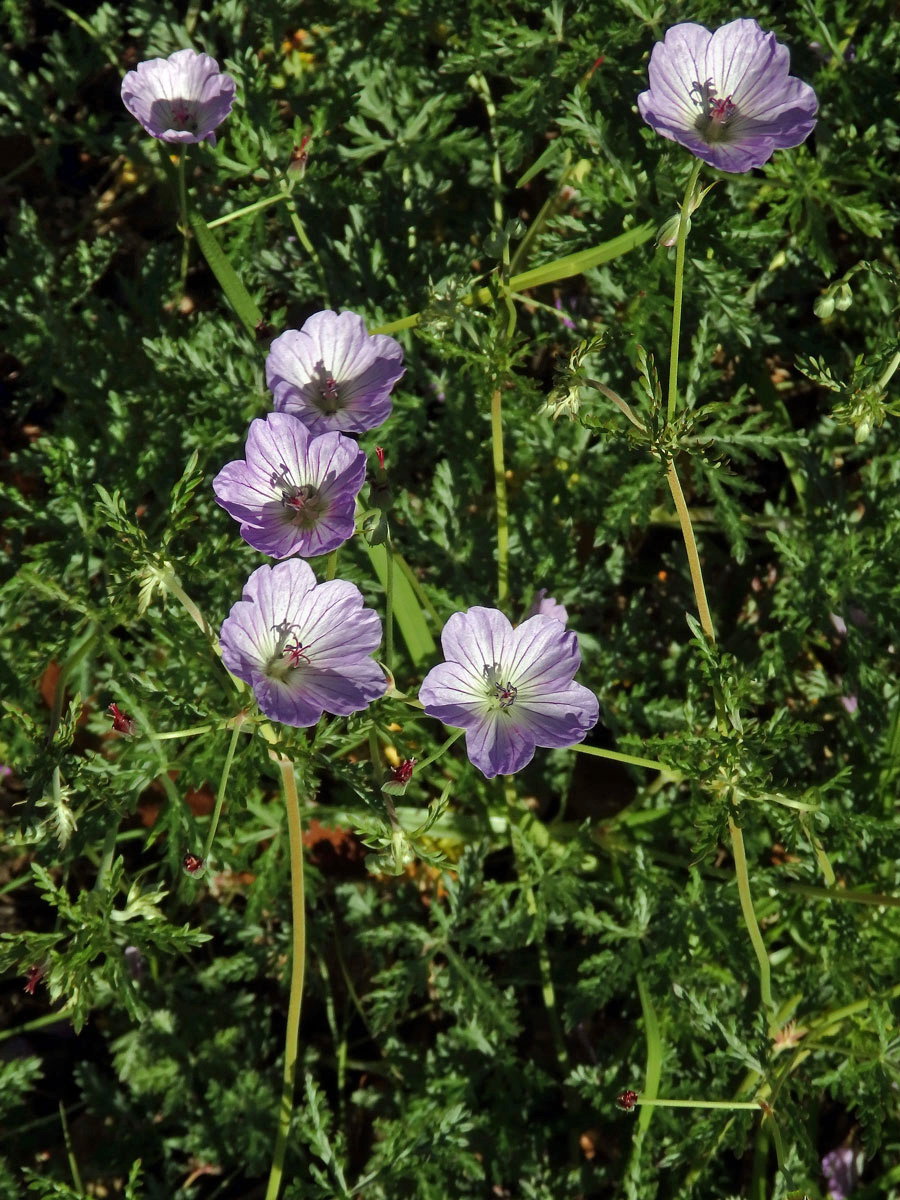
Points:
[[659, 1103], [298, 962], [172, 585], [389, 606], [441, 749], [877, 899], [303, 239], [107, 855], [679, 292], [196, 731], [743, 882], [479, 84], [185, 225], [617, 401], [653, 1070], [223, 785], [824, 861], [502, 508], [38, 1022], [70, 1153], [631, 759], [690, 545], [331, 564], [249, 210], [888, 371]]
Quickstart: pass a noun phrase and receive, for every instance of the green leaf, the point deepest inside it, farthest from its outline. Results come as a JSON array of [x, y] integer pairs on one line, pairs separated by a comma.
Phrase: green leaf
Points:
[[409, 615]]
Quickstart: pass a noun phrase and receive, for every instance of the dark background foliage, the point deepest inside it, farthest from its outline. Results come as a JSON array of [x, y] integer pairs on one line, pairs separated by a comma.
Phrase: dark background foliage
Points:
[[435, 1059]]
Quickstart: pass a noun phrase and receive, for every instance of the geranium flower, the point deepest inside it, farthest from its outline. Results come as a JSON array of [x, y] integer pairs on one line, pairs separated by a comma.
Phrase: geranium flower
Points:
[[181, 98], [547, 606], [510, 689], [727, 95], [295, 493], [332, 374], [304, 647]]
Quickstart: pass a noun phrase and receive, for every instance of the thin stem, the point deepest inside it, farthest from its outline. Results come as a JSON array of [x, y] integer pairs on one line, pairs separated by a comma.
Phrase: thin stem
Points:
[[679, 291], [298, 963], [389, 607], [690, 545], [658, 1103], [441, 749], [303, 239], [172, 585], [631, 759], [223, 785], [70, 1153], [107, 855], [823, 859], [500, 489], [888, 371], [743, 882], [248, 210], [653, 1069], [877, 899], [331, 564], [618, 402], [185, 226]]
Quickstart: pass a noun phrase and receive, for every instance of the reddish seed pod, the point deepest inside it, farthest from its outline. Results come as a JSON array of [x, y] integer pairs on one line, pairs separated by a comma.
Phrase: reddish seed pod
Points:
[[627, 1100], [122, 723], [192, 864]]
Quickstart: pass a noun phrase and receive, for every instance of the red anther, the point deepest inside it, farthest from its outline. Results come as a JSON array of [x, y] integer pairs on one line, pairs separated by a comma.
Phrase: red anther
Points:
[[295, 653], [380, 453], [404, 773], [121, 722], [35, 975]]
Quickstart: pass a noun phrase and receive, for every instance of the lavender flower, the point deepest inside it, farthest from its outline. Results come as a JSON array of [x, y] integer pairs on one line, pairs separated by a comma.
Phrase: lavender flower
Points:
[[841, 1168], [510, 689], [727, 95], [303, 647], [295, 493], [181, 98], [547, 606], [332, 374]]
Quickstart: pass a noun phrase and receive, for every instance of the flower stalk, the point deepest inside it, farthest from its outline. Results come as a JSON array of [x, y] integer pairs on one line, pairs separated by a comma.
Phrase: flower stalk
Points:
[[298, 965]]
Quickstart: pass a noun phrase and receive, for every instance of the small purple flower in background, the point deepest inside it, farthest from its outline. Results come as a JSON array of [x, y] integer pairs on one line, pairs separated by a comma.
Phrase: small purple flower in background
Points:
[[294, 493], [510, 689], [547, 606], [181, 98], [727, 96], [850, 703], [333, 374], [841, 1168], [303, 647]]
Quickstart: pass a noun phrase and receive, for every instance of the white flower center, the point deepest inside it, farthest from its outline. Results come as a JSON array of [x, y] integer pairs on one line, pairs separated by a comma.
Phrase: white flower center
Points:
[[289, 653], [501, 692], [716, 113]]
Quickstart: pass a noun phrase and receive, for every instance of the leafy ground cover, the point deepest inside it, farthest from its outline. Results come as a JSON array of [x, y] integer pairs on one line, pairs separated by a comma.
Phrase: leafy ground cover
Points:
[[659, 963]]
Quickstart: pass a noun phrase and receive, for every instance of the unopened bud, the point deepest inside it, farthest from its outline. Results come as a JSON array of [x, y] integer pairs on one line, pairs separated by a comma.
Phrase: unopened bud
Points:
[[824, 306], [844, 298], [668, 233]]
